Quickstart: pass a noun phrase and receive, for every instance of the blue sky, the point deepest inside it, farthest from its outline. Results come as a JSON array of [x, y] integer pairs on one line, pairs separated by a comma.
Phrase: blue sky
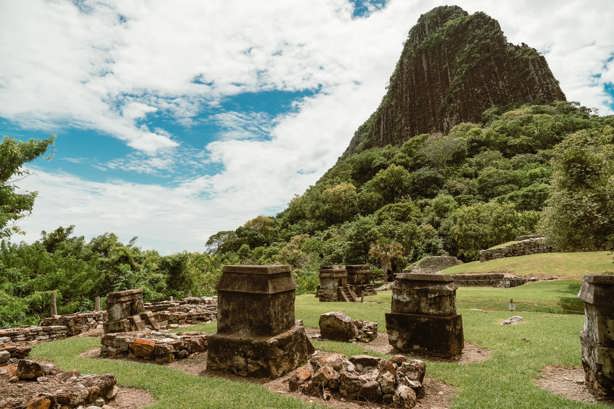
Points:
[[173, 122]]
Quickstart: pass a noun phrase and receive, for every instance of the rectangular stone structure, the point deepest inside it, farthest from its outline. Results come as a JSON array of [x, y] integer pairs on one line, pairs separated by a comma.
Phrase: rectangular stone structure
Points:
[[597, 337], [257, 335], [126, 312], [333, 279], [359, 279], [423, 316]]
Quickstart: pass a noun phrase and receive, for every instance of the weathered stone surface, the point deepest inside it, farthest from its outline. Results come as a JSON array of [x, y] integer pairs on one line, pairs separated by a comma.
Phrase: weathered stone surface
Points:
[[361, 377], [77, 323], [65, 390], [32, 334], [359, 279], [126, 312], [597, 337], [337, 326], [4, 356], [28, 370], [525, 247], [259, 357], [499, 280], [340, 327], [423, 316], [256, 333], [161, 347], [334, 285], [439, 83], [191, 310], [433, 264]]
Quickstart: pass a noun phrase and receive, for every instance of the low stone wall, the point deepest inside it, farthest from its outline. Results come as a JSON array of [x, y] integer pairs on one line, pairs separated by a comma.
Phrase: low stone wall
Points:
[[162, 347], [488, 280], [192, 310], [519, 248], [77, 323], [32, 334]]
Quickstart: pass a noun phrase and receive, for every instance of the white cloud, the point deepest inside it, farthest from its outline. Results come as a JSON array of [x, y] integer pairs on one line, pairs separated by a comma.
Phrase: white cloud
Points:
[[64, 67]]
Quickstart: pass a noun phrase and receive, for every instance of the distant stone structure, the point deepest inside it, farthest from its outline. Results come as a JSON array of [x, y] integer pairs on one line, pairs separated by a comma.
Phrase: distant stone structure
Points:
[[433, 264], [334, 285], [190, 310], [423, 316], [257, 335], [597, 338], [359, 279], [532, 245], [126, 312], [499, 280], [77, 323]]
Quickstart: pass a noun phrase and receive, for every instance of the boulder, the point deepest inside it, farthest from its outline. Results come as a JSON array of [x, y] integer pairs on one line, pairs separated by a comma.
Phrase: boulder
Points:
[[434, 264], [404, 397], [337, 326], [4, 357], [29, 370]]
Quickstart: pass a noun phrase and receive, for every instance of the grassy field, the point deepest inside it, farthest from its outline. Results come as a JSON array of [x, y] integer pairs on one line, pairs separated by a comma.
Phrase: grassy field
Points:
[[504, 381], [564, 265]]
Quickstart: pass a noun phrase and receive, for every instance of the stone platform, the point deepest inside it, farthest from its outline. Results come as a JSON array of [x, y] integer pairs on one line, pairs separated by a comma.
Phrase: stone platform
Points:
[[161, 347], [256, 333], [259, 357], [423, 316]]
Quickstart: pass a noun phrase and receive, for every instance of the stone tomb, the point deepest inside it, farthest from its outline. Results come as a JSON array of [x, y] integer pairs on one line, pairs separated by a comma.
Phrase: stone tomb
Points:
[[359, 279], [334, 285], [126, 312], [597, 337], [257, 335], [423, 316]]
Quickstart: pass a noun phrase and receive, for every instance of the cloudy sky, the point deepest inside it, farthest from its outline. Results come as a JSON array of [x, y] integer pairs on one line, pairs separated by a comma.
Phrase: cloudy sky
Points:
[[175, 120]]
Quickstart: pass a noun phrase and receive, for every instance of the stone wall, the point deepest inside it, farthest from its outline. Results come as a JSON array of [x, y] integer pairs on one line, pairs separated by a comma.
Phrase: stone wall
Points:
[[518, 248], [192, 310], [161, 347], [488, 280], [77, 323], [32, 334], [597, 337]]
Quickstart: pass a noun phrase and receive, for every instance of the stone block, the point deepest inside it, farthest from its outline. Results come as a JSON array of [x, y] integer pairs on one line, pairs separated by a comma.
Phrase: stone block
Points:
[[436, 335], [430, 294], [259, 357]]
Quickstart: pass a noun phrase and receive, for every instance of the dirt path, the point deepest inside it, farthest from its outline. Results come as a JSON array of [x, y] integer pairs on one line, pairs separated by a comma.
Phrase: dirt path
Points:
[[566, 382]]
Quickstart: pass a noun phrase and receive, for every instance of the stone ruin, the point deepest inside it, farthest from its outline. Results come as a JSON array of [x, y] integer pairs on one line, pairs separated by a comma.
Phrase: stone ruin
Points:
[[532, 245], [397, 381], [77, 323], [191, 310], [126, 312], [160, 347], [499, 280], [597, 337], [257, 335], [359, 279], [423, 316], [133, 332], [339, 327], [29, 384], [334, 285], [433, 264]]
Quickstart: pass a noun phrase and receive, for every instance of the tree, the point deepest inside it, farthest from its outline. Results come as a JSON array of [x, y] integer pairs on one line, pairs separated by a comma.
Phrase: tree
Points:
[[13, 155], [340, 203], [392, 183], [580, 210]]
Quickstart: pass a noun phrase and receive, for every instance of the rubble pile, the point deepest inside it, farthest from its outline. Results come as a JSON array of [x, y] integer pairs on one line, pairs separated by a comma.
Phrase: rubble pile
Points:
[[397, 381]]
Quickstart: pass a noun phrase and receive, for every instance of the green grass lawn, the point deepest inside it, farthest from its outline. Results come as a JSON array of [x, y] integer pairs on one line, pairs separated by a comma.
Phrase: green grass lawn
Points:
[[504, 381], [564, 265]]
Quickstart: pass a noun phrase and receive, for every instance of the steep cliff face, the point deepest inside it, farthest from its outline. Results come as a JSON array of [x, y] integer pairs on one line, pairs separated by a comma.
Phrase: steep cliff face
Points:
[[453, 67]]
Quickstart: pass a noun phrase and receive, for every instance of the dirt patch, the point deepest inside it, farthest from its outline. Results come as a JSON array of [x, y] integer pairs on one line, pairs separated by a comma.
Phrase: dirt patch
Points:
[[471, 353], [566, 382], [195, 364], [438, 396], [91, 353], [130, 398]]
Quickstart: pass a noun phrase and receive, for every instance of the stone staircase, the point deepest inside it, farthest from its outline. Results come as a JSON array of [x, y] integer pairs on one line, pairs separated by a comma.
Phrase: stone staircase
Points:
[[347, 294]]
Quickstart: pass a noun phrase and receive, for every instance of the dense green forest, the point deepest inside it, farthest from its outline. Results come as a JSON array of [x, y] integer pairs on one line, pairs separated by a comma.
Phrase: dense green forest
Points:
[[546, 168], [479, 185]]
